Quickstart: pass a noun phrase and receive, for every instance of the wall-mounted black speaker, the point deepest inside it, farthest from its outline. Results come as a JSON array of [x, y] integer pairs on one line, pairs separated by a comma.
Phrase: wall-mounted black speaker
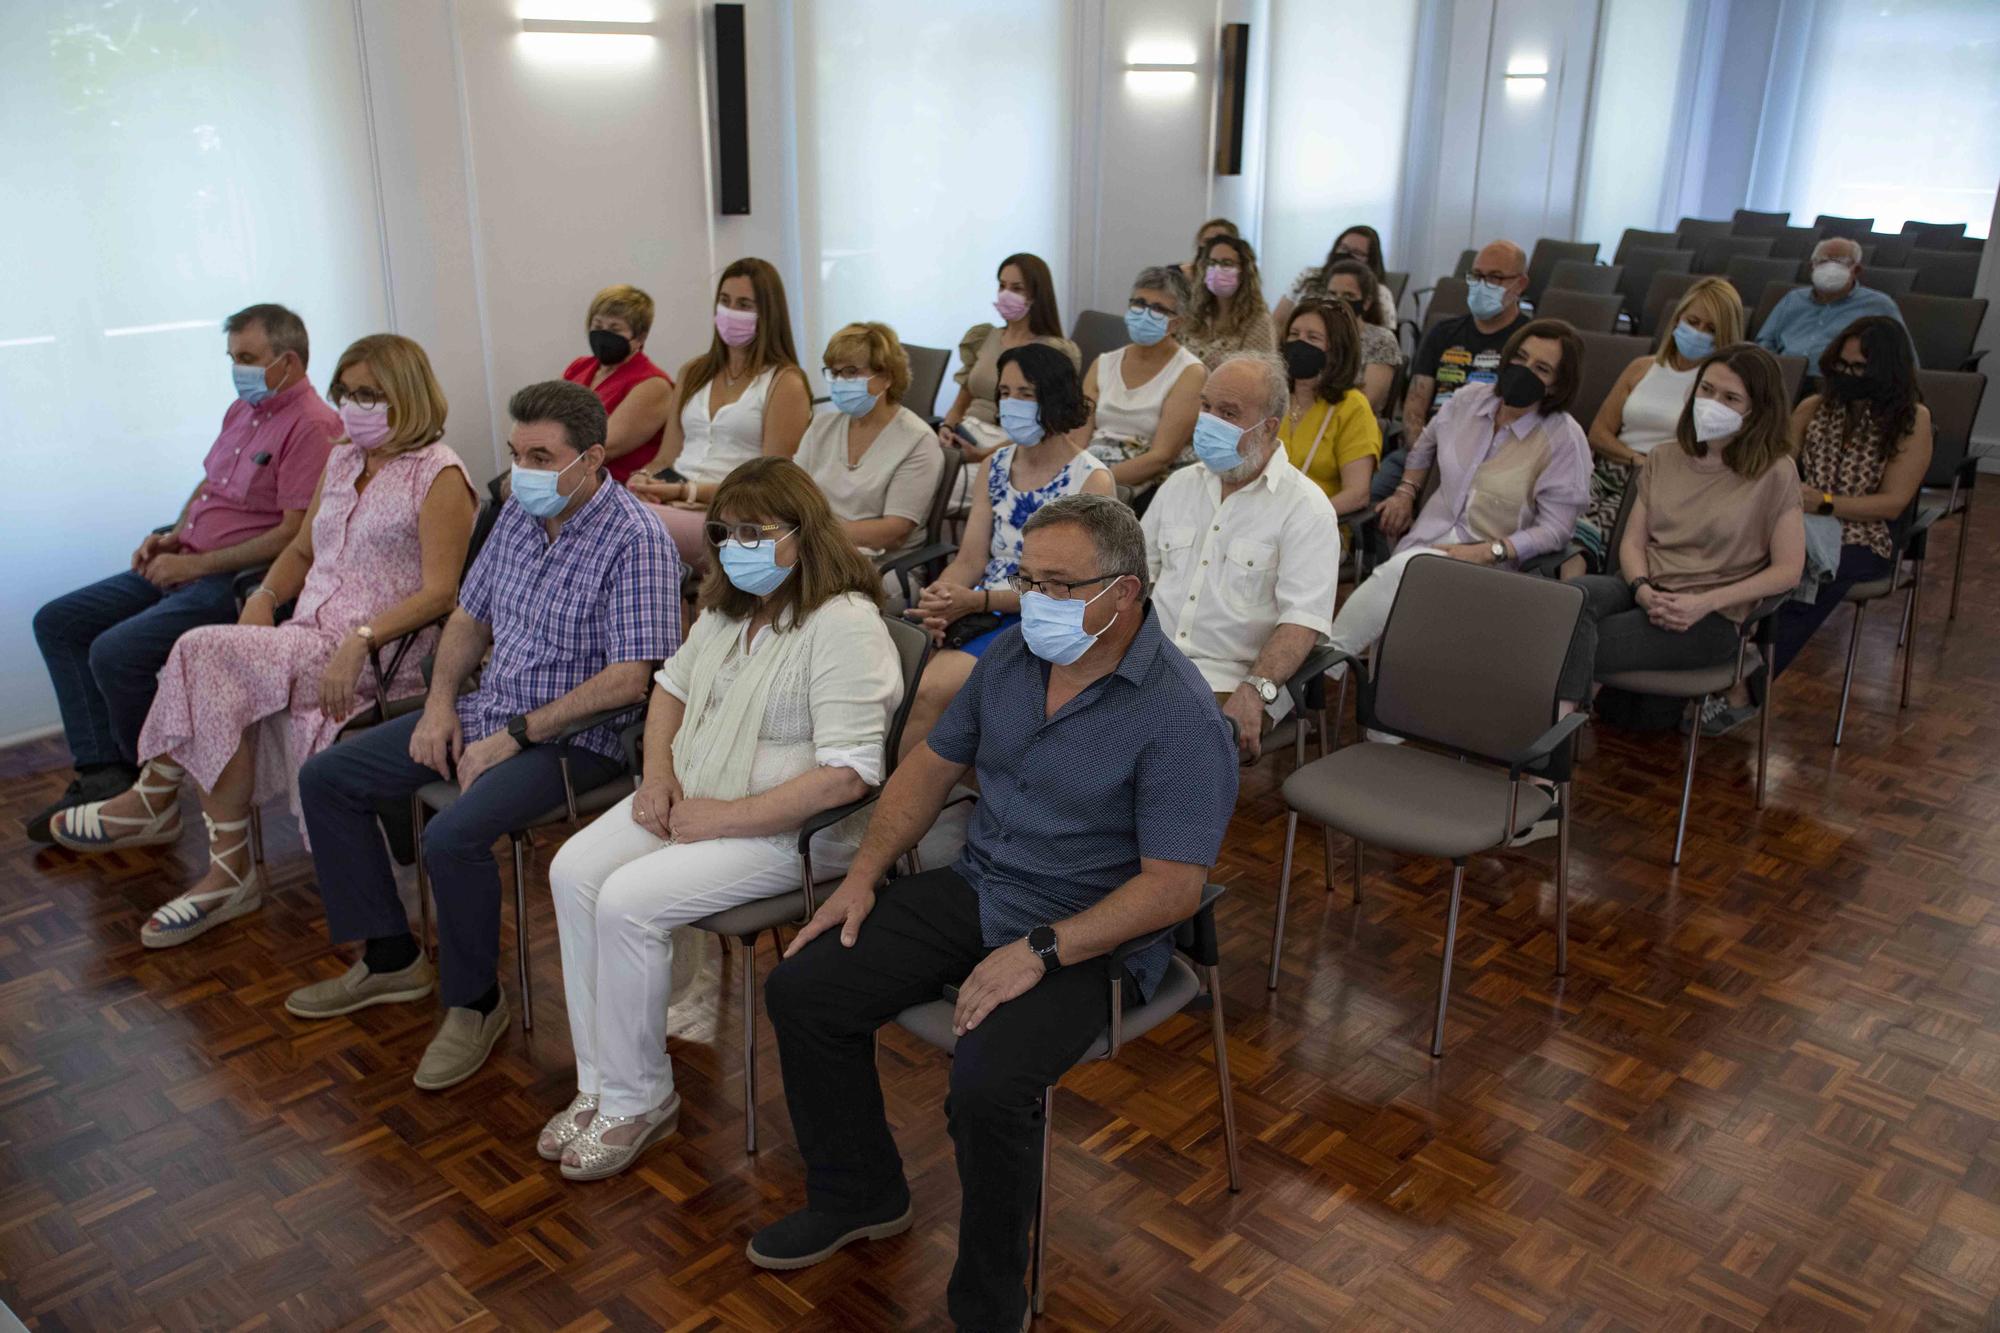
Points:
[[732, 113], [1231, 87]]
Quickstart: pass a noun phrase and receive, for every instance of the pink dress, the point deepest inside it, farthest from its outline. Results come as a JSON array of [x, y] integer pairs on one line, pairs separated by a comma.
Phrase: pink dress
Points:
[[223, 679]]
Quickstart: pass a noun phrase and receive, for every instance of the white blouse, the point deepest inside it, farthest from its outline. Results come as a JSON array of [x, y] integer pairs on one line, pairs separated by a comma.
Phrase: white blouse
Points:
[[716, 445]]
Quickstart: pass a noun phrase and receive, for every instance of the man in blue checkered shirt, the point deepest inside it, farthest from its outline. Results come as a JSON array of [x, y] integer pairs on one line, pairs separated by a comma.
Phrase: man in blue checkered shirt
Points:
[[577, 596], [1107, 777]]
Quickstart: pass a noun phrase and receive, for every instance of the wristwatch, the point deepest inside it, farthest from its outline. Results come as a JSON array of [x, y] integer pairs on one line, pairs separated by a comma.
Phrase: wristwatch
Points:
[[1266, 690], [1499, 550], [1042, 939], [1826, 502], [517, 727], [365, 633]]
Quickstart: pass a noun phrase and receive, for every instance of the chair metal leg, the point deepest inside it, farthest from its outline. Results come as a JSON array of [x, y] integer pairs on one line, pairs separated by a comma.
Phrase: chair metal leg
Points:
[[1847, 681], [1444, 972], [1212, 978], [1326, 860], [1360, 851], [257, 836], [1324, 744], [1042, 1201], [1340, 709], [520, 841], [424, 941], [1764, 732], [1562, 879], [1910, 619], [1958, 561], [1687, 779], [749, 948], [1284, 896]]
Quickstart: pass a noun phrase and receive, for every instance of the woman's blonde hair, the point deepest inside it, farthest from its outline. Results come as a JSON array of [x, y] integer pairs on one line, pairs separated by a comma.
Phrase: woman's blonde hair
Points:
[[1715, 301], [772, 345], [625, 302], [416, 402], [876, 346], [778, 490], [1247, 305], [1766, 435]]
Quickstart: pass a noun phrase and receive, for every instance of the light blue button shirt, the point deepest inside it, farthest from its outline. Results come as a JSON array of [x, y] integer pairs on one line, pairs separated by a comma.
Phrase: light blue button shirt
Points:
[[1800, 326]]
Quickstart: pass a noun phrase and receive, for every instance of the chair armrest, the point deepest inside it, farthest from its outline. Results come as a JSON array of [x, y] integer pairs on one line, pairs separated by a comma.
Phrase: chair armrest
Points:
[[1546, 565], [1548, 743], [1188, 935], [917, 558], [570, 732], [826, 819], [1972, 362], [1305, 684]]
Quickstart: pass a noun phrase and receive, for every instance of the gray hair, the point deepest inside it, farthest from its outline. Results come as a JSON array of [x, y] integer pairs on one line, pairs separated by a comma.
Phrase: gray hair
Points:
[[1850, 246], [1166, 278], [1113, 529], [1277, 381], [285, 330]]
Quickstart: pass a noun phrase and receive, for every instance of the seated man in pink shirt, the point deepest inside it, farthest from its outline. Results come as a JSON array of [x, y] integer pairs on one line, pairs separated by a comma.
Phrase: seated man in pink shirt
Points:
[[105, 643]]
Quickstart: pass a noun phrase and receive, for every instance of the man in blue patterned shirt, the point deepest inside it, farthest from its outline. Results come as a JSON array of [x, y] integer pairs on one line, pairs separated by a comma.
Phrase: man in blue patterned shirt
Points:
[[1107, 777], [577, 595]]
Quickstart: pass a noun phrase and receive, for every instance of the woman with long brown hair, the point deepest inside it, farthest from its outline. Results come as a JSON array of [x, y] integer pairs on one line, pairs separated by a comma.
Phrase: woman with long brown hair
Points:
[[1027, 306], [1228, 314], [744, 397], [775, 708]]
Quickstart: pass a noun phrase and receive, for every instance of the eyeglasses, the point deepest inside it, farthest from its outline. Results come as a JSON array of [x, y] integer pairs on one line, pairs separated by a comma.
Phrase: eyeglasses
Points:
[[1851, 367], [746, 534], [1360, 256], [1479, 275], [370, 398], [1056, 588], [1164, 312], [848, 373]]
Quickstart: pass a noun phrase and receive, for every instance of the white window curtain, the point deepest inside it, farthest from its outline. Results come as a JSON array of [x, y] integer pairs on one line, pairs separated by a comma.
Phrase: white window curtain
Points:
[[167, 163], [1895, 114], [1338, 124], [1628, 175], [934, 140]]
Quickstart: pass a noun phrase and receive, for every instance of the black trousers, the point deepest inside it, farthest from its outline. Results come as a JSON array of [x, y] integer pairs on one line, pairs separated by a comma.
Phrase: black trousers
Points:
[[826, 1004], [1615, 635]]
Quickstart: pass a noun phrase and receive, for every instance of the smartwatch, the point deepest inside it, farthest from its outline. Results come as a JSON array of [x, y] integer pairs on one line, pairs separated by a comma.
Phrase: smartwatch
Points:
[[1826, 502], [1266, 690], [517, 727], [1042, 939]]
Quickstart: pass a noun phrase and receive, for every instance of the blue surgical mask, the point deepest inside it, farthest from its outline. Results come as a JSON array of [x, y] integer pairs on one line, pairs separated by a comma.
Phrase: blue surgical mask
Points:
[[1054, 630], [754, 569], [536, 492], [250, 386], [1145, 325], [1022, 420], [1216, 443], [1485, 299], [1691, 342], [852, 396]]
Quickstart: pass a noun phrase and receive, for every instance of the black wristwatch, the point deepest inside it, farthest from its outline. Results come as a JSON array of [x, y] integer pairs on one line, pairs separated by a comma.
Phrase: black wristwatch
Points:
[[517, 727], [1042, 939]]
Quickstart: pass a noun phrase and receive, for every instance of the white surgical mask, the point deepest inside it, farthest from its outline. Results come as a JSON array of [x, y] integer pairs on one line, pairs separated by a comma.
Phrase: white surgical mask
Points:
[[1830, 275], [1714, 420]]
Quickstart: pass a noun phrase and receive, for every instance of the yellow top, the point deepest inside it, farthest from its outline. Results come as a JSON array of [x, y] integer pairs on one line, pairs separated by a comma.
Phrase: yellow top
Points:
[[1330, 436]]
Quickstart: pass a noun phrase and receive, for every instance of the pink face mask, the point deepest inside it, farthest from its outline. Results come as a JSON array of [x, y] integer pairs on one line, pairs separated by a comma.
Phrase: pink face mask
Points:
[[367, 427], [1223, 281], [737, 327], [1011, 305]]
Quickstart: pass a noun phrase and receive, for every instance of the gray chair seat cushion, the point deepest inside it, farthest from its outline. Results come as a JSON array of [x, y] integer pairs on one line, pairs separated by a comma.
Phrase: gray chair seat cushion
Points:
[[930, 1022], [442, 795], [1689, 684], [1869, 591], [746, 920], [1412, 800]]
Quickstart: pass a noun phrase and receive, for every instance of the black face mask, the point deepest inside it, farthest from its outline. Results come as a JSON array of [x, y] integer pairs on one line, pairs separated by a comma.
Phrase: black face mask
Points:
[[1848, 384], [1303, 361], [1519, 386], [609, 348]]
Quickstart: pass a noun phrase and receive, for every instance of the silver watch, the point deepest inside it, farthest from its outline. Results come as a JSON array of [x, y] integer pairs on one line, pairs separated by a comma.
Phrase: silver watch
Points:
[[1499, 550], [1266, 690]]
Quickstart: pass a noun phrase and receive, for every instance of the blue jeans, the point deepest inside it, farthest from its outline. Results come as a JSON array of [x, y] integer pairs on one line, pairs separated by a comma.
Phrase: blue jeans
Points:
[[339, 791], [105, 645], [1388, 475]]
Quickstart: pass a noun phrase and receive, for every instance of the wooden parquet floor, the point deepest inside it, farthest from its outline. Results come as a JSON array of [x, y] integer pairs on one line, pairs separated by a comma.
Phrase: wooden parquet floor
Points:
[[1765, 1096]]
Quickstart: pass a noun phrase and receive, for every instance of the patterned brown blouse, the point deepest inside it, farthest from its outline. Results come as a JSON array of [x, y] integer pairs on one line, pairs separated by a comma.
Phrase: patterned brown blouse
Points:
[[1846, 453]]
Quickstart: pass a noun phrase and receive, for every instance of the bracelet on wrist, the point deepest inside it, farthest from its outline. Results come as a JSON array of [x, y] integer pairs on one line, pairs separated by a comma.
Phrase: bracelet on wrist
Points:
[[264, 589]]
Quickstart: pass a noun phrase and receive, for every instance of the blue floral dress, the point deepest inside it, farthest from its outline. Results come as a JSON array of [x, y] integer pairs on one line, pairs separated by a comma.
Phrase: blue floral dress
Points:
[[1011, 511]]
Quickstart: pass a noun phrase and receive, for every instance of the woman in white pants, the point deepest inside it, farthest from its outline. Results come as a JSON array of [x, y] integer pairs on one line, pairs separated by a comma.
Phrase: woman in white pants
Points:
[[775, 708]]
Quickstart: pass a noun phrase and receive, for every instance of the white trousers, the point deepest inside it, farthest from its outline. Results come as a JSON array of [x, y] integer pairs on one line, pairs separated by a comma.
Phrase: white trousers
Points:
[[1365, 614], [619, 891]]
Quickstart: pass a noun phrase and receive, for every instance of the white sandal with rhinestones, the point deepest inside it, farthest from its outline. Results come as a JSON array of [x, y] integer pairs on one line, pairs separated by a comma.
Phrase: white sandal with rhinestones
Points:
[[565, 1125], [596, 1159], [194, 914]]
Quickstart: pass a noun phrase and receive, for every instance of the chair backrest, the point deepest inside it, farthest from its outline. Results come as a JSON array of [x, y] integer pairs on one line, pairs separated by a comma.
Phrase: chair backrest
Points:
[[1749, 275], [1662, 294], [1464, 265], [1792, 374], [1097, 333], [927, 367], [1492, 702], [1640, 268], [939, 512], [1605, 356], [1691, 232], [1447, 301], [482, 528], [1774, 292], [1587, 312], [1399, 283], [1888, 251], [1543, 261], [1637, 239], [1855, 229], [1976, 244], [1942, 328], [1580, 275], [1945, 272], [1953, 397], [1749, 222], [1894, 281], [1933, 235], [1611, 543], [1713, 255], [913, 650], [1794, 242]]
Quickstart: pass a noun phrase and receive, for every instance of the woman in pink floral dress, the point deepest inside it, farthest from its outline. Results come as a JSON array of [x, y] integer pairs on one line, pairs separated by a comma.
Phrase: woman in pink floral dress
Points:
[[242, 706]]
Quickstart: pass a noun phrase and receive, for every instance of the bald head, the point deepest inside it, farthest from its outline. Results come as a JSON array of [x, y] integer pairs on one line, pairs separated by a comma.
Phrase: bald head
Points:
[[1500, 257], [1501, 265]]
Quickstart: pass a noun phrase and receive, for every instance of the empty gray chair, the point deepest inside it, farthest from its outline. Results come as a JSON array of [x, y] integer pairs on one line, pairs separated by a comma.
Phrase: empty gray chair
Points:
[[1662, 294], [1691, 232], [1492, 712], [1793, 242], [1945, 272], [1888, 251], [1748, 222], [1641, 266], [1546, 256], [1192, 971], [1580, 275], [1953, 397], [1587, 312], [1605, 356], [1750, 275], [1854, 229], [1713, 255], [1398, 284], [1097, 333], [1792, 374], [1943, 329], [1934, 235], [1890, 281], [1447, 301], [1637, 239], [927, 367]]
